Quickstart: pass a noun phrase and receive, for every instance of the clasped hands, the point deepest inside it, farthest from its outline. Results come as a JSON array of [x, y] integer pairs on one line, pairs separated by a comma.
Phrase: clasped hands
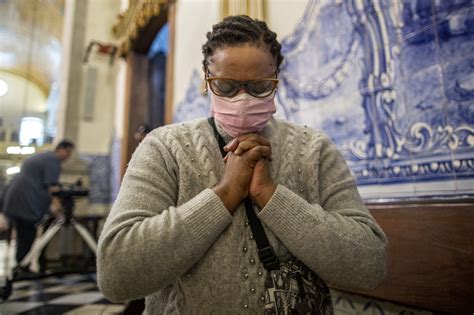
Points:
[[247, 172]]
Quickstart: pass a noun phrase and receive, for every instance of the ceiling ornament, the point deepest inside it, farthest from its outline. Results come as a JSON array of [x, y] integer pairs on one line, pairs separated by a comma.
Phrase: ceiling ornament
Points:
[[133, 20]]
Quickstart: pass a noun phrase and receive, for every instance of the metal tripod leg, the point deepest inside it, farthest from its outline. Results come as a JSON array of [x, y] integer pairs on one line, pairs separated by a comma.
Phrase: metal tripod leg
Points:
[[39, 244], [86, 236]]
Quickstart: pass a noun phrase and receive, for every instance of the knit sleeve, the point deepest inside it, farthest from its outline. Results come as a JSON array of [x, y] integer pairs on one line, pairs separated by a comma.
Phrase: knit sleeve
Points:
[[147, 241], [337, 238]]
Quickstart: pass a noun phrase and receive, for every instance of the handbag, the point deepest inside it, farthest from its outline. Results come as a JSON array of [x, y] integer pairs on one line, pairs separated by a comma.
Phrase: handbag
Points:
[[290, 287]]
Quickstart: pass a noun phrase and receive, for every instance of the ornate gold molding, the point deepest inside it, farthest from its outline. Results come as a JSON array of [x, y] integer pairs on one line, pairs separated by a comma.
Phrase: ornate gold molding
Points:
[[253, 8], [135, 18]]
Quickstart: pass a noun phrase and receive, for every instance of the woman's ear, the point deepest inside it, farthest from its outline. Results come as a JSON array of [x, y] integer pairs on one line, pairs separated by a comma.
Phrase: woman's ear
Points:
[[205, 69], [204, 82]]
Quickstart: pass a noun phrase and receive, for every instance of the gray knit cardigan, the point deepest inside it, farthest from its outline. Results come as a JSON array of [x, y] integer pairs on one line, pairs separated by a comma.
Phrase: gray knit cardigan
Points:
[[170, 239]]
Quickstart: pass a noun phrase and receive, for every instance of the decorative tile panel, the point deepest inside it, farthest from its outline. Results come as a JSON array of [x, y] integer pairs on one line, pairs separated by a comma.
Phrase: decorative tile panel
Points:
[[99, 178], [391, 82]]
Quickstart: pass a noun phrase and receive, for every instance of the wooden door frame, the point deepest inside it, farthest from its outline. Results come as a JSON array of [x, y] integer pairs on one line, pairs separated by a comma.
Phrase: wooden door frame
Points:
[[136, 110], [169, 88]]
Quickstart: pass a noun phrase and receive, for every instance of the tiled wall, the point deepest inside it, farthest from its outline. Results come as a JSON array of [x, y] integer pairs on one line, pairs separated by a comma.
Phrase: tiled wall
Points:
[[99, 178], [99, 182], [104, 174], [391, 82]]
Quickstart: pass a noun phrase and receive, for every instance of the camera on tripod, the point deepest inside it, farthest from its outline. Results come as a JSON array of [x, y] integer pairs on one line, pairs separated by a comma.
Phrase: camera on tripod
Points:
[[67, 194], [71, 191]]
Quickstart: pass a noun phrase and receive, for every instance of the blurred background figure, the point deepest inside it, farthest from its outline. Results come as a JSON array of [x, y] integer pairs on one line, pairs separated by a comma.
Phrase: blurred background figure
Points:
[[28, 197], [142, 131]]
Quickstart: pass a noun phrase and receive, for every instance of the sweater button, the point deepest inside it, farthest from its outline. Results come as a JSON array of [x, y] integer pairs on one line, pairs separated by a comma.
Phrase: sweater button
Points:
[[259, 273], [246, 275], [244, 249], [252, 290], [251, 237], [252, 261], [246, 306], [262, 298]]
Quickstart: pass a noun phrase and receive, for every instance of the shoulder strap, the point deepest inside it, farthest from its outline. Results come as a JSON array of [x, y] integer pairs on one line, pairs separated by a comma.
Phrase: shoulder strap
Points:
[[265, 251], [217, 135]]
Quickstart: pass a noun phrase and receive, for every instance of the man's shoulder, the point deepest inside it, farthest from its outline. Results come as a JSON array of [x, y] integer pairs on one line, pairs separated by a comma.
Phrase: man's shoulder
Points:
[[45, 156], [35, 157]]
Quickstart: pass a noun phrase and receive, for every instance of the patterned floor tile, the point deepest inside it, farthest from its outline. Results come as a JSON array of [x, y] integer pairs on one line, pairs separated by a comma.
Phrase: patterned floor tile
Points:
[[97, 309], [49, 309], [39, 297], [71, 294], [17, 307], [78, 298]]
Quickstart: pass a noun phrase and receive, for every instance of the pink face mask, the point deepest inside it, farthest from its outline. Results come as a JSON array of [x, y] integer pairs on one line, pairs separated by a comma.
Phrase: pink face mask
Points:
[[242, 113]]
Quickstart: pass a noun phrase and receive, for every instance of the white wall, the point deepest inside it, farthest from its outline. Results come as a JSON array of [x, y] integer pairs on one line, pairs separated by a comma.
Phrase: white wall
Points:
[[282, 16], [97, 120], [194, 18]]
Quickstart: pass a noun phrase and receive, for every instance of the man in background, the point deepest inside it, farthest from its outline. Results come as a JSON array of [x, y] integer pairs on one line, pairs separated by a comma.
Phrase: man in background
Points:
[[141, 132], [28, 197]]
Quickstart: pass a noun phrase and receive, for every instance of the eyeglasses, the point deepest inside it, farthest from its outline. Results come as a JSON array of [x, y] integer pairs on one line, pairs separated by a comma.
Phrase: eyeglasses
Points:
[[229, 87]]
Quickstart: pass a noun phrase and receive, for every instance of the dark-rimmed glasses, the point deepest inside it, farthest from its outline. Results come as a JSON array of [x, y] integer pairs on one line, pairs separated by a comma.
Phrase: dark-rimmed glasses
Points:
[[226, 87]]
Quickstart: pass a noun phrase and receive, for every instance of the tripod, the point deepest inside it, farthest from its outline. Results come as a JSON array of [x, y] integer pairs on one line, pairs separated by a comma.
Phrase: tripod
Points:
[[67, 201], [32, 258]]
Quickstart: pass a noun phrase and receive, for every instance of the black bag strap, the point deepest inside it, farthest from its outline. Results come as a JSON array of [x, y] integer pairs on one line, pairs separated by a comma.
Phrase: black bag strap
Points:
[[220, 140], [265, 251]]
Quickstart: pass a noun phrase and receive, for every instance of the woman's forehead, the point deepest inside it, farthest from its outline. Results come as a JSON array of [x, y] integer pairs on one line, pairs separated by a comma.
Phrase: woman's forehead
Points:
[[242, 62]]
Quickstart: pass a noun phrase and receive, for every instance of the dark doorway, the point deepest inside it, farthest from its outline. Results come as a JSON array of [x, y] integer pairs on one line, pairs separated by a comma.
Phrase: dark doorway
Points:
[[157, 56]]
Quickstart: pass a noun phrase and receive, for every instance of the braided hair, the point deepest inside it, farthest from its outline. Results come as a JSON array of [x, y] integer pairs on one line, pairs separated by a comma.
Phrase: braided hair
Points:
[[238, 30]]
